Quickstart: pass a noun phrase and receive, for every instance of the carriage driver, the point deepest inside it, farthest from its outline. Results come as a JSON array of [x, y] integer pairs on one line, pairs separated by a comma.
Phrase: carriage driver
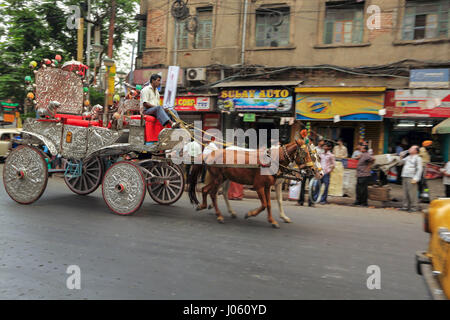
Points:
[[150, 100]]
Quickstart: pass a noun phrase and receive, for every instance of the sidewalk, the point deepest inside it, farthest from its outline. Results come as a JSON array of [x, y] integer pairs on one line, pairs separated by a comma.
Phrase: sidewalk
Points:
[[436, 191]]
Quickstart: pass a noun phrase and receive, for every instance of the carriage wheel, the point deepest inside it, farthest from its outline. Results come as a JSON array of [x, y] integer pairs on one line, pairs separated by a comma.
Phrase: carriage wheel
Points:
[[168, 184], [90, 179], [25, 174], [123, 188]]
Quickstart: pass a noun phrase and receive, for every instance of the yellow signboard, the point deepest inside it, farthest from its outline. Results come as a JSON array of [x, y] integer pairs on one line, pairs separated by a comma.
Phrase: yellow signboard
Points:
[[325, 106]]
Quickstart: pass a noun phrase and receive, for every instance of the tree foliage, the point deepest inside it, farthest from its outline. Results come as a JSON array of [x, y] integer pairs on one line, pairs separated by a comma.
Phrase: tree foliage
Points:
[[34, 30]]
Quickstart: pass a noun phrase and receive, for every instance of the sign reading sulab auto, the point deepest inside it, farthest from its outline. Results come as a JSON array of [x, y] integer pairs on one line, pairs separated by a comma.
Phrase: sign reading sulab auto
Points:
[[429, 78], [278, 100], [190, 103]]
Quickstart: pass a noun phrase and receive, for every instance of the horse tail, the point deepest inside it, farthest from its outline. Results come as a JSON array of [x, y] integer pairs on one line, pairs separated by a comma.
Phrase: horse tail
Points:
[[195, 171]]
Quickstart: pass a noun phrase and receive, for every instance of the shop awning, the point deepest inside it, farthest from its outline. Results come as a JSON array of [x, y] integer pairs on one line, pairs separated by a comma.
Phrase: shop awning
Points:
[[442, 128], [235, 84], [340, 89]]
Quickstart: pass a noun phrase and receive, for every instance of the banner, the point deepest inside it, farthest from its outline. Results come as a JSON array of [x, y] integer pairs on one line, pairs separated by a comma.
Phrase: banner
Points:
[[171, 87], [279, 100], [418, 103], [348, 106], [191, 103]]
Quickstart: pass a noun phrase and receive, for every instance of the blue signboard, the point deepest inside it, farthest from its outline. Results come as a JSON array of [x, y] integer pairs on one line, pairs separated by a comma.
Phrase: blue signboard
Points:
[[429, 78]]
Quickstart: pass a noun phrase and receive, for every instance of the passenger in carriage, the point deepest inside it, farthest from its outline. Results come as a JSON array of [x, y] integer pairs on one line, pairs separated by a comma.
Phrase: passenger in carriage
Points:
[[150, 99]]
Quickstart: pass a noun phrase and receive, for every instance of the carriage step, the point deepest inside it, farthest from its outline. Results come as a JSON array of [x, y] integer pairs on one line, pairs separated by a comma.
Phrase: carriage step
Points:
[[73, 170]]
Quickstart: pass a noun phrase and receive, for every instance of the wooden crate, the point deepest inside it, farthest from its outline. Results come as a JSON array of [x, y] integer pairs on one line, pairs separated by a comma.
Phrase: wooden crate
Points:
[[378, 193]]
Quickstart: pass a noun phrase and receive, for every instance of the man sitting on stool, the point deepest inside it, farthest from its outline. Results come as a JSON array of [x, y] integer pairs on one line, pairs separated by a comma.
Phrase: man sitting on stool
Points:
[[150, 99]]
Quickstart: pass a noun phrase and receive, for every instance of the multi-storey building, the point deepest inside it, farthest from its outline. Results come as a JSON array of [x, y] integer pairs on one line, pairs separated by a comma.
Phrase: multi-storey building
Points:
[[343, 66]]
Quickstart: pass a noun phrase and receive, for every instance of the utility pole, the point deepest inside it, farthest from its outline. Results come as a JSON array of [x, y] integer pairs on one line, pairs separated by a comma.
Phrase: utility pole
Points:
[[88, 43], [80, 35], [88, 38], [108, 93], [112, 21], [132, 63]]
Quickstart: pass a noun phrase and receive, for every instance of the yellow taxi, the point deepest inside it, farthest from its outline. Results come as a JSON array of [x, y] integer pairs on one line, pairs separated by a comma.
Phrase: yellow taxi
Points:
[[434, 264]]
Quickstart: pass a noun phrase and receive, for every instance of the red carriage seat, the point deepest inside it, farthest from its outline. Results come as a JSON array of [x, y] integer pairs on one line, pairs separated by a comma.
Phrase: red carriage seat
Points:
[[152, 127], [77, 120]]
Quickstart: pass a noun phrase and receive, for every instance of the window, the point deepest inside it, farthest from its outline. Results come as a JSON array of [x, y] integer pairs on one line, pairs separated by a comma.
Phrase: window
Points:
[[272, 27], [426, 19], [203, 36], [183, 36], [142, 38], [344, 22]]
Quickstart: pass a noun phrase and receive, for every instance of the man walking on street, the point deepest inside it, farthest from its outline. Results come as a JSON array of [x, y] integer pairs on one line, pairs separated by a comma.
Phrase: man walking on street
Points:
[[328, 163], [411, 174], [363, 175]]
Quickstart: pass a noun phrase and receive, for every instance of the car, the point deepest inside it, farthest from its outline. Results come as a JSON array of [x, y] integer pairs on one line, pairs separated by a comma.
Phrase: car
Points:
[[434, 264], [6, 140]]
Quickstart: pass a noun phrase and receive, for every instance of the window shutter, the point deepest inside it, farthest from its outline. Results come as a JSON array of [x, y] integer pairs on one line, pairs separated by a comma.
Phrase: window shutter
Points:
[[328, 35], [408, 27]]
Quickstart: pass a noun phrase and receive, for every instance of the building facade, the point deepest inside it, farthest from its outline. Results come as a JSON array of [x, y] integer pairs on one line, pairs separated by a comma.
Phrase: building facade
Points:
[[338, 61]]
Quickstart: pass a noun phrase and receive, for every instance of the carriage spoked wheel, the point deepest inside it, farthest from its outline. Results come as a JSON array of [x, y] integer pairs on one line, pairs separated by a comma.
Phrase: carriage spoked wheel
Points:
[[168, 184], [25, 174], [90, 178], [123, 188]]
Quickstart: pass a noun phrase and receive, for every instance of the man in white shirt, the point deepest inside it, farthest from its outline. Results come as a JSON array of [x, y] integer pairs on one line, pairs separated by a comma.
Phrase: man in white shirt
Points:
[[340, 151], [150, 100], [411, 174], [193, 149]]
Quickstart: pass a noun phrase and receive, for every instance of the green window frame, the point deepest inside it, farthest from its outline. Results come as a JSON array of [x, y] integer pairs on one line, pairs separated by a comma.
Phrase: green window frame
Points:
[[269, 32], [182, 36], [203, 35], [142, 38], [426, 20], [344, 24]]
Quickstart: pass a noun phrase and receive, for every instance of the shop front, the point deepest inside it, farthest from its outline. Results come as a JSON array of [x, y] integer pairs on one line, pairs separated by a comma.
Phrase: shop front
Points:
[[349, 113], [258, 105], [410, 117]]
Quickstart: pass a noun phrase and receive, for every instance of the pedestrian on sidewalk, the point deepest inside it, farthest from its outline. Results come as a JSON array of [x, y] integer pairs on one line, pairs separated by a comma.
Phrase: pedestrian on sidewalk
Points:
[[327, 162], [411, 174], [301, 198], [340, 151], [446, 179], [425, 155], [363, 174]]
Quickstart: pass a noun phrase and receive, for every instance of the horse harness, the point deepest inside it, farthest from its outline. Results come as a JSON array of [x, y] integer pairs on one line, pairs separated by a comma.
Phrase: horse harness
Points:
[[289, 173]]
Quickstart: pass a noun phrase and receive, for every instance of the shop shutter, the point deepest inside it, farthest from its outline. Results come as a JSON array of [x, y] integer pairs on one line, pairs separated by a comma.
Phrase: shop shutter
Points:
[[374, 135]]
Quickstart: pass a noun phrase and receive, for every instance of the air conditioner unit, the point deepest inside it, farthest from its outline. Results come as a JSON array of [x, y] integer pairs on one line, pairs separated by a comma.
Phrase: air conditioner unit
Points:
[[196, 74]]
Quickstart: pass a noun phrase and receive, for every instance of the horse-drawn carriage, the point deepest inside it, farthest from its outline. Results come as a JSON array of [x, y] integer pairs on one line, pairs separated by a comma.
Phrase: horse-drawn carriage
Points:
[[125, 155]]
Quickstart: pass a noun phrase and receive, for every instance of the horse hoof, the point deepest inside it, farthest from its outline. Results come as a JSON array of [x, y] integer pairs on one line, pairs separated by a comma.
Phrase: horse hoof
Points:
[[233, 216], [220, 221], [210, 207], [287, 220], [275, 226]]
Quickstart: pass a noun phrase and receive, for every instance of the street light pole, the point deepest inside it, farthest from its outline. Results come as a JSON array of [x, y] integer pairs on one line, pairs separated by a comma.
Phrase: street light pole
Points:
[[132, 63]]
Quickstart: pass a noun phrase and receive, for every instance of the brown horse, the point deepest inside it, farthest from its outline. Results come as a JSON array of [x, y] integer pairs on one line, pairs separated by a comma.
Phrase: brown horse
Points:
[[295, 151]]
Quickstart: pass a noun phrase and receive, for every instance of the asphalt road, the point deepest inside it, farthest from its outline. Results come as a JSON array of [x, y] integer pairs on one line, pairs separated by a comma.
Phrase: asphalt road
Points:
[[178, 253]]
